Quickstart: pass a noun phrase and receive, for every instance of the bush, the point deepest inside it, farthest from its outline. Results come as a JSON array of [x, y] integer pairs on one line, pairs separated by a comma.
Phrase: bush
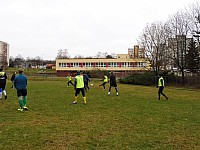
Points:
[[139, 79], [148, 78]]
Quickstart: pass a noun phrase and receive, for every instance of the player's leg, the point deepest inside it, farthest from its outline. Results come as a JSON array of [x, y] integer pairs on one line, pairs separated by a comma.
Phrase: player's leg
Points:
[[109, 90], [116, 89], [1, 92], [164, 94], [76, 94], [159, 92], [83, 94], [4, 92], [21, 105], [24, 94]]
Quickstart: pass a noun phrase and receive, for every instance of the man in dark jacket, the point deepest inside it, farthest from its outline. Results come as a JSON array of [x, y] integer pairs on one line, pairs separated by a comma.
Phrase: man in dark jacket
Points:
[[113, 83], [3, 78], [86, 80]]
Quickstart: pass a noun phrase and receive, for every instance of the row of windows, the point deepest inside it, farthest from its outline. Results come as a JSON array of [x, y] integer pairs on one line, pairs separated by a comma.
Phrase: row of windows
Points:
[[103, 64]]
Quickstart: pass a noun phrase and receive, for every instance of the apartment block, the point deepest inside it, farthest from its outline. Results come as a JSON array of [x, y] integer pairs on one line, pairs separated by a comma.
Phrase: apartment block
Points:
[[4, 54]]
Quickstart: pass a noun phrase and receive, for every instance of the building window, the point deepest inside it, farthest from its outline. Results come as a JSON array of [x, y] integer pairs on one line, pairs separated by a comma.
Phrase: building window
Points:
[[109, 64], [140, 64], [62, 65]]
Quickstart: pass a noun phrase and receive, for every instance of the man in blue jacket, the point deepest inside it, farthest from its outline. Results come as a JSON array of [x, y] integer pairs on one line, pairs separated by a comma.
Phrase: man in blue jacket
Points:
[[20, 84]]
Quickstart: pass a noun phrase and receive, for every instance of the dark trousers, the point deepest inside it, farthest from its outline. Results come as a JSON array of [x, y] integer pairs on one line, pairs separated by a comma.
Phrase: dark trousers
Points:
[[104, 83], [160, 91], [86, 87], [70, 82]]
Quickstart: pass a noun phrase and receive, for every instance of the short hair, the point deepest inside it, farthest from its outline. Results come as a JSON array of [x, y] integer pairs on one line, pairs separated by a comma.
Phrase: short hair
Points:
[[21, 71]]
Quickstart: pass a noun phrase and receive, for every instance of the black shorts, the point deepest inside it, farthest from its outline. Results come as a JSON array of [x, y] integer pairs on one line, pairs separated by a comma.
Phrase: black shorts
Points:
[[21, 92], [113, 85], [78, 90]]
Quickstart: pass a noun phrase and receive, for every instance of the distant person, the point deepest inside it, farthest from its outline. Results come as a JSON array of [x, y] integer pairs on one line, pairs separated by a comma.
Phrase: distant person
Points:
[[20, 84], [86, 80], [69, 80], [113, 83], [12, 79], [160, 87], [105, 80], [3, 78], [79, 87]]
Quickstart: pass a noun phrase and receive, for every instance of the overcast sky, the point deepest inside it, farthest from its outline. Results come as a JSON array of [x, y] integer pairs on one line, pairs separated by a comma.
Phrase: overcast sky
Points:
[[83, 27]]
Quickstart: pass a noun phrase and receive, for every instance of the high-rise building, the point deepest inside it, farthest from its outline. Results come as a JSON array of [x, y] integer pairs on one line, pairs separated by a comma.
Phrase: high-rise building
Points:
[[177, 50], [4, 54], [136, 52]]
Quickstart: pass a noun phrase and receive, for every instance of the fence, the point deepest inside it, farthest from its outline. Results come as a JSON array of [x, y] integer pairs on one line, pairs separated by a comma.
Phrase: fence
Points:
[[190, 81]]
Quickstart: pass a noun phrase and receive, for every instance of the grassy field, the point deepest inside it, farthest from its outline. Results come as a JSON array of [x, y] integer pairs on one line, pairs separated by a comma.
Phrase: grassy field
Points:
[[133, 120]]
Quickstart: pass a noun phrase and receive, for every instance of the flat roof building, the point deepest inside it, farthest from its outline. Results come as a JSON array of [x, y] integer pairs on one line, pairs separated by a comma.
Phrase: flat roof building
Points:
[[123, 62]]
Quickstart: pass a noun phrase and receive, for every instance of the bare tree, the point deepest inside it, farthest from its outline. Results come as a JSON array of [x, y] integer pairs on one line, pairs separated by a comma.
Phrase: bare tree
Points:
[[101, 55], [63, 54], [154, 39], [78, 56], [19, 61], [180, 28], [193, 14]]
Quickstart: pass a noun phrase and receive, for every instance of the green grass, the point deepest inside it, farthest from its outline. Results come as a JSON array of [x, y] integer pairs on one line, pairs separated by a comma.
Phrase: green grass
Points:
[[133, 120]]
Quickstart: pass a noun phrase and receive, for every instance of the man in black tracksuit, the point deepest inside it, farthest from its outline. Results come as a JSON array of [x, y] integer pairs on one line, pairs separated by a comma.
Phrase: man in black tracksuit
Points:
[[113, 83]]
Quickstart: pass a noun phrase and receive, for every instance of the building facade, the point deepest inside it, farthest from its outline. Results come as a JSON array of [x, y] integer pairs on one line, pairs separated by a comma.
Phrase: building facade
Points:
[[177, 50], [122, 63], [4, 54]]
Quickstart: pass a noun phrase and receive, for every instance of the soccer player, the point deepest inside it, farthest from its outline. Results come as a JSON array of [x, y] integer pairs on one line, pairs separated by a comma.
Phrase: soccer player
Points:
[[3, 78], [79, 87], [105, 80], [69, 80], [86, 80], [113, 83], [160, 87], [12, 79], [20, 84]]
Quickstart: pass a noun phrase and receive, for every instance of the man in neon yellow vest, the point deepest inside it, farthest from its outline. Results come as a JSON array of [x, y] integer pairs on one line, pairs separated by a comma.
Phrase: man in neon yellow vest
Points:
[[69, 80], [105, 80], [79, 87], [161, 85]]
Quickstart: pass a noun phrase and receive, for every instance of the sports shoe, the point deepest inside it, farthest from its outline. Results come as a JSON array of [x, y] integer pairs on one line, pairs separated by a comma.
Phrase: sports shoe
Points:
[[20, 109], [5, 96], [74, 102], [117, 94], [108, 93], [25, 108]]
